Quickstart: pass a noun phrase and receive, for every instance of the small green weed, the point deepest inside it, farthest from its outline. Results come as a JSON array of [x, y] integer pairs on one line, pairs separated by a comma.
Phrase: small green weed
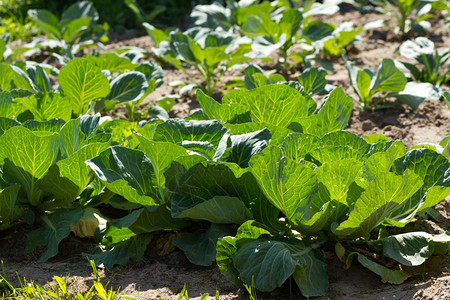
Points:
[[184, 295], [30, 290], [251, 290]]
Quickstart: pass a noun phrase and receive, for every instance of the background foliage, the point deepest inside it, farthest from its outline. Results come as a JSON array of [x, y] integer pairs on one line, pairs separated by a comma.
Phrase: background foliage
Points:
[[116, 13]]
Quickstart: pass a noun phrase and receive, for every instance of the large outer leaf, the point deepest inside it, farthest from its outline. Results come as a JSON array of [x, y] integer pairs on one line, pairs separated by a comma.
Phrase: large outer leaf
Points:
[[285, 183], [186, 49], [128, 87], [333, 115], [161, 155], [412, 248], [77, 133], [119, 231], [321, 9], [88, 124], [200, 249], [316, 282], [69, 177], [130, 249], [26, 157], [155, 34], [341, 166], [334, 153], [56, 228], [214, 56], [205, 182], [272, 104], [386, 274], [82, 82], [268, 264], [385, 194], [126, 172], [263, 46], [434, 170], [242, 14], [335, 45], [255, 78], [445, 142], [261, 25], [226, 248]]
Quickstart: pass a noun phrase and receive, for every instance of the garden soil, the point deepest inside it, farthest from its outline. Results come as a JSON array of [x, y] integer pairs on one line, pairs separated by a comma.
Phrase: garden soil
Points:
[[165, 269]]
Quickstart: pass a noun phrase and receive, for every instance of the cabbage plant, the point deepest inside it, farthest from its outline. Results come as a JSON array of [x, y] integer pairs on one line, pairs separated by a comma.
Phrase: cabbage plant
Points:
[[290, 178], [211, 54], [410, 15], [334, 193], [271, 178], [367, 83], [342, 36], [76, 29], [47, 180], [388, 81], [430, 60], [195, 169], [97, 83]]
